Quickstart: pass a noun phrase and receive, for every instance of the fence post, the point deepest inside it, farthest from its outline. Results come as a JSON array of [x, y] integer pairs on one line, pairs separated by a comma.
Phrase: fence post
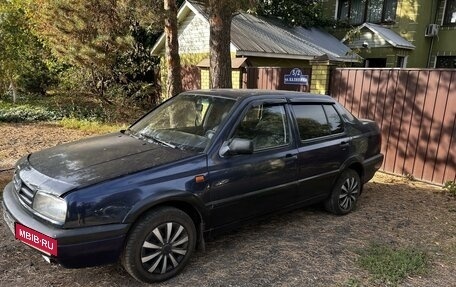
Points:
[[321, 73]]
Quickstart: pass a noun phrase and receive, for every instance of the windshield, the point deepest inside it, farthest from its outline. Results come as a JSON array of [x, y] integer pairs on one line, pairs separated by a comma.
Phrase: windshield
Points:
[[186, 121]]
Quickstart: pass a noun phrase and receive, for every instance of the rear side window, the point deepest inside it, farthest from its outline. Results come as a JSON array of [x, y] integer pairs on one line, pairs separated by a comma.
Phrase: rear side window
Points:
[[317, 120], [334, 121]]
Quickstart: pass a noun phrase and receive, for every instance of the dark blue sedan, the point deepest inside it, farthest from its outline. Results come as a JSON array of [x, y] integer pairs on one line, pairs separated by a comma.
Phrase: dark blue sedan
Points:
[[201, 163]]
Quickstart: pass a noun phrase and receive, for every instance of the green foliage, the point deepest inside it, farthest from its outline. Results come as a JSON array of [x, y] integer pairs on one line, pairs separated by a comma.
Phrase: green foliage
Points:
[[107, 45], [307, 13], [25, 113], [23, 58], [450, 187], [392, 265]]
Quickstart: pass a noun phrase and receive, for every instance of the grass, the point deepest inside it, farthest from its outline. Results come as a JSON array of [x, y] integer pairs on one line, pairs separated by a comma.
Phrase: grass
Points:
[[392, 265], [90, 126], [352, 282]]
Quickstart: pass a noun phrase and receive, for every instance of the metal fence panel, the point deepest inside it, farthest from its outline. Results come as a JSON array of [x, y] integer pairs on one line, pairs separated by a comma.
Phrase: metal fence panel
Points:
[[416, 110], [271, 78]]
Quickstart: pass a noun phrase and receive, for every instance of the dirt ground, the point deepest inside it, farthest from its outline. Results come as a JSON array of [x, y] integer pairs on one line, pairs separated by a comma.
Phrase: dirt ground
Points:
[[306, 247]]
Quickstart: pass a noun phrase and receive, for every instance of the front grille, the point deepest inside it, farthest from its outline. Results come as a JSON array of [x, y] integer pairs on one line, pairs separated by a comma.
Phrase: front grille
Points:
[[25, 193]]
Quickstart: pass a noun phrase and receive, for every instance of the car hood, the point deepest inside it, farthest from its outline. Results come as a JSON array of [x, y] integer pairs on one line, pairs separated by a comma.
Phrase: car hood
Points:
[[96, 159]]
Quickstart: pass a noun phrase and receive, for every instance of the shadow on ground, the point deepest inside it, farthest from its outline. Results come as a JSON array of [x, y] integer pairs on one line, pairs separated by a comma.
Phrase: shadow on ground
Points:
[[306, 247]]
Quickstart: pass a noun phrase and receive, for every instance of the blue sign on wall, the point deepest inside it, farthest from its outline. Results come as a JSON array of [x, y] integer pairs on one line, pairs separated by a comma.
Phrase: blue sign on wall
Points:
[[296, 78]]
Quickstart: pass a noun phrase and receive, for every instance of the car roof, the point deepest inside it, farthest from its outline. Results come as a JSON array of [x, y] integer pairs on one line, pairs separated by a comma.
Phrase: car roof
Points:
[[247, 93]]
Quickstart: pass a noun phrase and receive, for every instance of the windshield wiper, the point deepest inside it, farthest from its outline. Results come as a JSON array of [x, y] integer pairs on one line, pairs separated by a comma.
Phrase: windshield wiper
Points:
[[156, 140], [133, 134]]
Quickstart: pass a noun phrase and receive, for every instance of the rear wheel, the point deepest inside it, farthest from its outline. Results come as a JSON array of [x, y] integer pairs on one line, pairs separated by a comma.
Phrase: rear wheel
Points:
[[345, 193], [159, 245]]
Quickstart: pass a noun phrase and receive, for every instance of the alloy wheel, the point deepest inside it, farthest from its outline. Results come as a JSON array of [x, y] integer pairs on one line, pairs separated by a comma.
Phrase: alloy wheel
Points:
[[164, 248], [349, 193]]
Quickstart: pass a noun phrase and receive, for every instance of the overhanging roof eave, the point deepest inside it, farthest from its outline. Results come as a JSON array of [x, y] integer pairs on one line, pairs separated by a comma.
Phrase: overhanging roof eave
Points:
[[273, 55]]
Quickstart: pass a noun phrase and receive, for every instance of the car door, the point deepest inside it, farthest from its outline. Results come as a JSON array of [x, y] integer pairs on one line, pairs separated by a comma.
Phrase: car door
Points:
[[248, 185], [323, 147]]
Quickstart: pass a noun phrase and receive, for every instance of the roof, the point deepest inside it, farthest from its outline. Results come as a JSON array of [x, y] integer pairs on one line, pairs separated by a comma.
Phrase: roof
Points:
[[269, 37], [247, 93], [388, 35]]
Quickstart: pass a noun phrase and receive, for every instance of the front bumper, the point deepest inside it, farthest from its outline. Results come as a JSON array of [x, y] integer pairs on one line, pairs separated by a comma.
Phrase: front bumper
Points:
[[77, 247]]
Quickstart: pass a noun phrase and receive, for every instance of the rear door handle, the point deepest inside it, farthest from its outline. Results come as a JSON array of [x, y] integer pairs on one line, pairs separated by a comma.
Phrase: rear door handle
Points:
[[345, 144], [291, 156]]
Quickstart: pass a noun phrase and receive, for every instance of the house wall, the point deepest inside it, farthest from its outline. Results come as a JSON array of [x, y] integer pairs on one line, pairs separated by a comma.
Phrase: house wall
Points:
[[411, 21], [193, 35], [412, 17], [235, 78], [372, 39]]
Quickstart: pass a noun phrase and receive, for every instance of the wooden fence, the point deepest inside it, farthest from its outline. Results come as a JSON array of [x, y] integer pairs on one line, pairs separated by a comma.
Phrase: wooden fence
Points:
[[416, 110], [270, 78], [191, 78]]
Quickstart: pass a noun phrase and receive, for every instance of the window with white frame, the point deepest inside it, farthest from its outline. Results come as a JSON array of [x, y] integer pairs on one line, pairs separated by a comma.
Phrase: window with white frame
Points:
[[450, 13], [374, 11]]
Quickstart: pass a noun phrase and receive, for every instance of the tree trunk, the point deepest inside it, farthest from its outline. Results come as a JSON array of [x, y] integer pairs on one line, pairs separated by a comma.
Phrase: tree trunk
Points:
[[220, 16], [174, 78], [13, 90]]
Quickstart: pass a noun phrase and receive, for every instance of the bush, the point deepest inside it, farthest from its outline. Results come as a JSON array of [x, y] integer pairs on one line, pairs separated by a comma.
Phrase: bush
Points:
[[26, 113], [450, 187]]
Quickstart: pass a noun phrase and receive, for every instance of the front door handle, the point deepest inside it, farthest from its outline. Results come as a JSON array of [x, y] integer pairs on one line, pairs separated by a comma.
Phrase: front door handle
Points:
[[345, 144]]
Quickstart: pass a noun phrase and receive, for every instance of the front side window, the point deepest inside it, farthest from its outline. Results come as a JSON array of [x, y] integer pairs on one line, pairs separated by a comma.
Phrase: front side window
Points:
[[356, 12], [265, 125], [186, 121], [317, 120], [450, 13]]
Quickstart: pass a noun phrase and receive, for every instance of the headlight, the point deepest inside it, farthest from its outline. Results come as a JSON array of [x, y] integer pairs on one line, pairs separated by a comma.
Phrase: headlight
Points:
[[50, 206]]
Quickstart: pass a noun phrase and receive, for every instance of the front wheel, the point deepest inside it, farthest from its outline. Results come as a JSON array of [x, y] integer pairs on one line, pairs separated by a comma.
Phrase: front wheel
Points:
[[345, 193], [159, 245]]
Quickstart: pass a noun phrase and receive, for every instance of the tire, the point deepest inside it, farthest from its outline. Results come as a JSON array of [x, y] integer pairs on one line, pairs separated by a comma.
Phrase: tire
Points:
[[345, 193], [159, 245]]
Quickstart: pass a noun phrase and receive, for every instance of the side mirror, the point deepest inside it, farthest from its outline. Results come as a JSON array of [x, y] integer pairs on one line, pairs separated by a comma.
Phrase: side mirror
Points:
[[236, 146]]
